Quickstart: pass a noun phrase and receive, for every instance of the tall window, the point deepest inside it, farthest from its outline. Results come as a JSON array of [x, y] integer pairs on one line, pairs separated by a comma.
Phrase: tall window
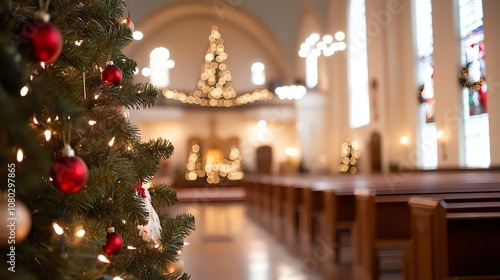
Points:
[[359, 99], [258, 70], [476, 127], [159, 64], [427, 149]]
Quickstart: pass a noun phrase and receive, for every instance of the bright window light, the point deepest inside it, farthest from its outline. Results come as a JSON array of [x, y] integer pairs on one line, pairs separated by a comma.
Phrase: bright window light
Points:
[[258, 70]]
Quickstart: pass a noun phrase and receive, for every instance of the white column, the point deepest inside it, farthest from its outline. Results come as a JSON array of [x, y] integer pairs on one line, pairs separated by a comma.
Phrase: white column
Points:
[[311, 123], [491, 8], [448, 92]]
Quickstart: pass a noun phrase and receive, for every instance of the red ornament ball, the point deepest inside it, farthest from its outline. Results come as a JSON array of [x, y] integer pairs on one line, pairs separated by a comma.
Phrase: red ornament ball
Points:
[[114, 243], [45, 40], [111, 75], [69, 174]]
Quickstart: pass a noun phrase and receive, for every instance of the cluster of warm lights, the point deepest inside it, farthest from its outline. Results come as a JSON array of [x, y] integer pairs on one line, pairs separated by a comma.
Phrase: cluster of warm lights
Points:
[[47, 133], [225, 168], [350, 156], [80, 232], [316, 45], [214, 87], [291, 92], [193, 166], [214, 168]]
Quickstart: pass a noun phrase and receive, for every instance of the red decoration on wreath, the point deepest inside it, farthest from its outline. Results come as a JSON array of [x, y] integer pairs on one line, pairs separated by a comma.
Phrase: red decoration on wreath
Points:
[[45, 39], [114, 243], [69, 172], [111, 75]]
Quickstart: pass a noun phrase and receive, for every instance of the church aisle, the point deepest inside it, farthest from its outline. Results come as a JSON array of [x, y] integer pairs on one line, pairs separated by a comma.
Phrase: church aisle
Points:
[[228, 245]]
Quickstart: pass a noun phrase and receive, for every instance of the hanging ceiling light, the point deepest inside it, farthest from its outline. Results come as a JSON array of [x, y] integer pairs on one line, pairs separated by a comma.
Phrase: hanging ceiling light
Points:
[[214, 87], [291, 92]]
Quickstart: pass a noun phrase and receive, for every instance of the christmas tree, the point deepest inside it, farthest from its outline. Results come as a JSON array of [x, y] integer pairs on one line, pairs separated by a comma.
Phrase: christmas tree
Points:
[[349, 157], [214, 88], [76, 202]]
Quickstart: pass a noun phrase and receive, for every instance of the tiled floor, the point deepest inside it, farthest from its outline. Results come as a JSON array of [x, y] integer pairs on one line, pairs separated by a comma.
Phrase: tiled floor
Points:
[[228, 245]]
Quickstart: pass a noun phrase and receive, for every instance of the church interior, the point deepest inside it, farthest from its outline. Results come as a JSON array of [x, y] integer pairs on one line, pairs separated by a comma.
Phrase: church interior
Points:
[[299, 126]]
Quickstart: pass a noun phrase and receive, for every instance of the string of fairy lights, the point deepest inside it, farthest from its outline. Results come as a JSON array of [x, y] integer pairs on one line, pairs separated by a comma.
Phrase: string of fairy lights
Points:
[[215, 167]]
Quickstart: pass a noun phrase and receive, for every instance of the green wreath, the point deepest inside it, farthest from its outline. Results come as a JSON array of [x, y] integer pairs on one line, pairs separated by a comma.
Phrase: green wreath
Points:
[[420, 96], [464, 79]]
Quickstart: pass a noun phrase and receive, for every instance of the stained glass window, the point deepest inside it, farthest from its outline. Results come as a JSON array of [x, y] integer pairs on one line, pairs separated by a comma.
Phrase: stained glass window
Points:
[[473, 79], [427, 149]]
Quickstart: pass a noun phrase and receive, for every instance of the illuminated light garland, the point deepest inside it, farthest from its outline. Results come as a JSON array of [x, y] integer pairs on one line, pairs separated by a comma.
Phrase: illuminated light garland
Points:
[[214, 88]]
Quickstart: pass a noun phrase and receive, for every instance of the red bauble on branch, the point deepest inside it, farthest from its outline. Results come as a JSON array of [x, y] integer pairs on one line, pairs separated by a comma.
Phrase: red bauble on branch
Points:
[[69, 172], [114, 243], [111, 75], [45, 39]]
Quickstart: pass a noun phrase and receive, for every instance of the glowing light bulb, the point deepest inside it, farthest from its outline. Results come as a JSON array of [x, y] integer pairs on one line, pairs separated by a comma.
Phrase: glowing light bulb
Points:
[[339, 36], [404, 140], [57, 228], [112, 142], [103, 259], [80, 233], [48, 134], [20, 155], [24, 91]]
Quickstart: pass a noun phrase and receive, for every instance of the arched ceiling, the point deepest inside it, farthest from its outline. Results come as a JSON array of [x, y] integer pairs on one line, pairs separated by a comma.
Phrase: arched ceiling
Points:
[[281, 17]]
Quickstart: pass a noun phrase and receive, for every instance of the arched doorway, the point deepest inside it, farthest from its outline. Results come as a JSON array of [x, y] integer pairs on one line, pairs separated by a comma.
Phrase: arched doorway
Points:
[[264, 159], [375, 153]]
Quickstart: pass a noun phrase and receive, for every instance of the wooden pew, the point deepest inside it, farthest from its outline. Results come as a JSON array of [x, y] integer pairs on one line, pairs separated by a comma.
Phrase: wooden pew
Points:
[[450, 242], [291, 201], [331, 200], [277, 210], [275, 201], [329, 205], [383, 221]]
